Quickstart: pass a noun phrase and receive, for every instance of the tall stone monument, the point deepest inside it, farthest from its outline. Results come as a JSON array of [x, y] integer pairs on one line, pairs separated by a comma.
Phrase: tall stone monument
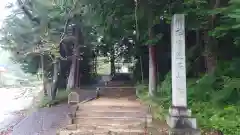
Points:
[[179, 118]]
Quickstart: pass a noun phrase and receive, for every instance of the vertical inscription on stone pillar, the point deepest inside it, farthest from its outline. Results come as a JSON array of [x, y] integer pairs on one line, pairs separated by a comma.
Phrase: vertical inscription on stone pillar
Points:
[[179, 93]]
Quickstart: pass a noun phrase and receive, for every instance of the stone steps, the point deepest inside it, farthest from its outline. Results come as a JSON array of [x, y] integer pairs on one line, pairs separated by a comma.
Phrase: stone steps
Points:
[[117, 113], [102, 130], [121, 126], [94, 108], [108, 116], [117, 129], [123, 102], [106, 128], [108, 121]]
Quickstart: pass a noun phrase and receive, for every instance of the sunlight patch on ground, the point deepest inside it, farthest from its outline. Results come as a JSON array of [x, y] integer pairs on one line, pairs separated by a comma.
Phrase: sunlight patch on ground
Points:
[[103, 66]]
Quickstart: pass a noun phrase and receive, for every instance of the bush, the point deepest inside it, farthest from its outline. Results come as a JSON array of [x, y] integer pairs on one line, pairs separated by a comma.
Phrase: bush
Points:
[[214, 101]]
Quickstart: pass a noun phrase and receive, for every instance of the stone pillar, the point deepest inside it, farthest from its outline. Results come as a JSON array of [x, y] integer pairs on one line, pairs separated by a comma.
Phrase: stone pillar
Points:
[[179, 119]]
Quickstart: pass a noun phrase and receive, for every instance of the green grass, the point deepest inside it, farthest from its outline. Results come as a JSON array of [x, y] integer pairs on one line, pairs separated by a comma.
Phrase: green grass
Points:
[[62, 96], [158, 110]]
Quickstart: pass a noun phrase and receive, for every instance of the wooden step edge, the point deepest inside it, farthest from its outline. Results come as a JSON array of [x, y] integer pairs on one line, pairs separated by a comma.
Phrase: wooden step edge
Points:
[[130, 125], [127, 130], [109, 110], [109, 106], [105, 110], [72, 117], [82, 132], [114, 114], [109, 119], [109, 127], [103, 130], [113, 117]]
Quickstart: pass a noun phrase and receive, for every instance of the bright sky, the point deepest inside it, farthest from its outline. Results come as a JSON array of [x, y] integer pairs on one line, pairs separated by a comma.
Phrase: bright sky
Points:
[[4, 12]]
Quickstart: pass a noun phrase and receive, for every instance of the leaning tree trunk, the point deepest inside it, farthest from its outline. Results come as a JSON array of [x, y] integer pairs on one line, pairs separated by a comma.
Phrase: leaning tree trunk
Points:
[[71, 77], [55, 81]]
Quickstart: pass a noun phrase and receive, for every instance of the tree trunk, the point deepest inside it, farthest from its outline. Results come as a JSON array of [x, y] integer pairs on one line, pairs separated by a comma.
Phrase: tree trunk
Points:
[[210, 58], [71, 78], [76, 53], [43, 76], [112, 62], [45, 89], [73, 75], [152, 71], [211, 42], [55, 81], [77, 75], [141, 69], [152, 87]]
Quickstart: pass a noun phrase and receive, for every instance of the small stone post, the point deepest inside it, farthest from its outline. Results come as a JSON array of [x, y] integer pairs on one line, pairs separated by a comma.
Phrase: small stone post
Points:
[[179, 118], [73, 98]]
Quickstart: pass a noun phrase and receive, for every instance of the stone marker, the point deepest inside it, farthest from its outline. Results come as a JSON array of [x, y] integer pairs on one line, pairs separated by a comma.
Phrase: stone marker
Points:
[[97, 92], [179, 119], [73, 97]]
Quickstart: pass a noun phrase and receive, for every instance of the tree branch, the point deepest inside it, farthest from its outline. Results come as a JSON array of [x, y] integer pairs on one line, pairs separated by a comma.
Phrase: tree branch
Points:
[[27, 13]]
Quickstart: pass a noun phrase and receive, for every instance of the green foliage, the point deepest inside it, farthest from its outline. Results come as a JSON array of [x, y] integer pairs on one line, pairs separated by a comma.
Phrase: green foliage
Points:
[[62, 96], [31, 65], [118, 28], [214, 99], [155, 40]]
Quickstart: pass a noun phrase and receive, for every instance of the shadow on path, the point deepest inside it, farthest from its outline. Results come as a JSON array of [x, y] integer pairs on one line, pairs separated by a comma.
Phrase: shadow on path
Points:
[[43, 122]]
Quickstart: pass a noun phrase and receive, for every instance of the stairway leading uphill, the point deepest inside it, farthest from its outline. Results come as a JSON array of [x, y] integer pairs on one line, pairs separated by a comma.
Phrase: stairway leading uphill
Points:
[[116, 112]]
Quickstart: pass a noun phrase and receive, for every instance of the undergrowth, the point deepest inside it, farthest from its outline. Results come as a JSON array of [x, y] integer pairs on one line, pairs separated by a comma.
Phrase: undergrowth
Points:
[[213, 99], [62, 96]]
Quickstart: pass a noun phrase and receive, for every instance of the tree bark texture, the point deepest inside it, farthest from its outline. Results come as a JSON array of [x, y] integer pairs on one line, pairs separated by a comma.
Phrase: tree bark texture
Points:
[[55, 81], [152, 71], [70, 83], [112, 62], [211, 42], [43, 76], [77, 75]]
